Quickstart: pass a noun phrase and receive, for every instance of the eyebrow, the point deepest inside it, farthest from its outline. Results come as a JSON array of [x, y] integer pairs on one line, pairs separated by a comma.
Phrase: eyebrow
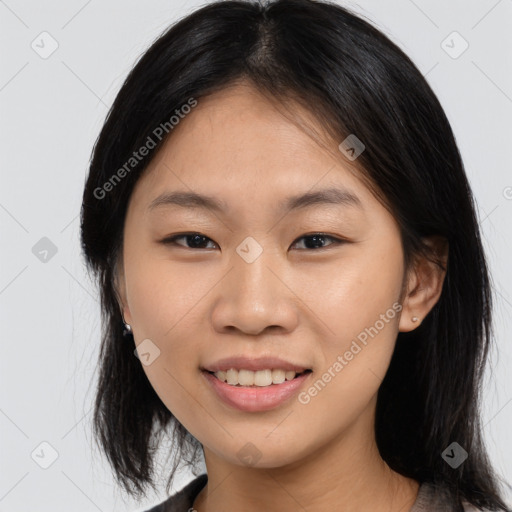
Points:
[[186, 199]]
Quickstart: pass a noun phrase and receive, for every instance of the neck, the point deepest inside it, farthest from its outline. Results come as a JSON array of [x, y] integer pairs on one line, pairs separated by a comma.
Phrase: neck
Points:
[[347, 474]]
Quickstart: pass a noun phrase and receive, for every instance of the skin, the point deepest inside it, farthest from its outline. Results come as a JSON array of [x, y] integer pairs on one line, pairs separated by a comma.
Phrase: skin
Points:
[[306, 305]]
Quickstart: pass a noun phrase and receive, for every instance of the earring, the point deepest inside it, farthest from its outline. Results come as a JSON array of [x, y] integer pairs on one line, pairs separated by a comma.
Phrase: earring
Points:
[[127, 327], [414, 319]]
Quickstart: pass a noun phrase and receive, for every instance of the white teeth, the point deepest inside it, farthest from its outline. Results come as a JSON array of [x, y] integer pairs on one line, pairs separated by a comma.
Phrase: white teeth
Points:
[[246, 378], [278, 376], [259, 378], [232, 376], [290, 375]]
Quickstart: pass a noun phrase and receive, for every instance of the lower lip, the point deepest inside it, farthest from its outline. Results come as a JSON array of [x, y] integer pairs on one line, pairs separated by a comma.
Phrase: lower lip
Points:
[[254, 399]]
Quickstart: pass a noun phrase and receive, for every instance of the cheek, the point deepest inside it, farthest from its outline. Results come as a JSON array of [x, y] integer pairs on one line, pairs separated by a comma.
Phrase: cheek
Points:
[[361, 288], [361, 312], [353, 370], [162, 296], [165, 303]]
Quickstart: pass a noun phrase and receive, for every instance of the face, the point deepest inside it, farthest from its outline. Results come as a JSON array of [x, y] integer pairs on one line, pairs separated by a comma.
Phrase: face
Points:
[[313, 284]]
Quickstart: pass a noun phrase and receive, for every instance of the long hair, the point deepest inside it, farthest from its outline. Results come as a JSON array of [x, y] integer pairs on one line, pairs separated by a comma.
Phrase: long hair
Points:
[[355, 81]]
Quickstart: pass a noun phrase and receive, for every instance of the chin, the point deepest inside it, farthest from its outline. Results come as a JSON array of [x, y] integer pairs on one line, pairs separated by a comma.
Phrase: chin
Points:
[[253, 452]]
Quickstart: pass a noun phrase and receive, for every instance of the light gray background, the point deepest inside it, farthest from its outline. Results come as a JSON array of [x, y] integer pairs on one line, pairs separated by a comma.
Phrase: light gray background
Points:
[[52, 110]]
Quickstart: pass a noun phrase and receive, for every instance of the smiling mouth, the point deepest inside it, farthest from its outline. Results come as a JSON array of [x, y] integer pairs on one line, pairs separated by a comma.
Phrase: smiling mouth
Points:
[[256, 379]]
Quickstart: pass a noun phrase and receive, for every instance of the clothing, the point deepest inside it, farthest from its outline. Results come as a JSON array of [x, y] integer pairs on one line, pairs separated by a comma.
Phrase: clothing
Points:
[[428, 499]]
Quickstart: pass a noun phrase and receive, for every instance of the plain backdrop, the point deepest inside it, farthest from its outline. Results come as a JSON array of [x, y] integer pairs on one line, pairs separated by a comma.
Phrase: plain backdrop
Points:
[[52, 108]]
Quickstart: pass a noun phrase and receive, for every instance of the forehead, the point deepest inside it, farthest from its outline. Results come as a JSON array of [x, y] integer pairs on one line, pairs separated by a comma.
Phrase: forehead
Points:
[[235, 141]]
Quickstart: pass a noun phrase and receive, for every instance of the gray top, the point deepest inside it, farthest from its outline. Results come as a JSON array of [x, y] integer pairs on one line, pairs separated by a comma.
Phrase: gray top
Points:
[[429, 499]]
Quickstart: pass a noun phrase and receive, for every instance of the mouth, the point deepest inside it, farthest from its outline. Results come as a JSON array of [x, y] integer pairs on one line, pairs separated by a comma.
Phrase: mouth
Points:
[[256, 379], [256, 391]]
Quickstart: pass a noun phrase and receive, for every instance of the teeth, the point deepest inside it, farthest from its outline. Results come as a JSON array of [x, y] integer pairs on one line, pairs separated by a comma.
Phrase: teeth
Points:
[[232, 377], [246, 378], [279, 376], [260, 378], [290, 375]]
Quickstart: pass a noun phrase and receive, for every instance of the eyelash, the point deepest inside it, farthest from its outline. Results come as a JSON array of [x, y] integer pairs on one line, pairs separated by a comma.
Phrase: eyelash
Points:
[[172, 240]]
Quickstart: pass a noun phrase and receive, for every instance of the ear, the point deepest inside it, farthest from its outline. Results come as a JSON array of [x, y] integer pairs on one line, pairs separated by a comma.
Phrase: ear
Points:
[[120, 290], [424, 284]]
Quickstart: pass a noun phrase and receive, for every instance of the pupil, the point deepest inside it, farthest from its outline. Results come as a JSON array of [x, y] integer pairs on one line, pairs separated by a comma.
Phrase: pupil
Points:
[[318, 238], [195, 240]]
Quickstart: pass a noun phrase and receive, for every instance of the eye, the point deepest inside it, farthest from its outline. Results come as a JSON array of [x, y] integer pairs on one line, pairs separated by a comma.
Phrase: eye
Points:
[[318, 238], [197, 240]]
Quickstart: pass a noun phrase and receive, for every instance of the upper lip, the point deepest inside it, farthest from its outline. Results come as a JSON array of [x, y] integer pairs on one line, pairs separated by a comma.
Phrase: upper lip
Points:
[[254, 364]]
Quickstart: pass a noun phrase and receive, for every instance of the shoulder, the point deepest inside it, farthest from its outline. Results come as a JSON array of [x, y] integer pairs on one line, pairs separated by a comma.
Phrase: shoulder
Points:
[[182, 500]]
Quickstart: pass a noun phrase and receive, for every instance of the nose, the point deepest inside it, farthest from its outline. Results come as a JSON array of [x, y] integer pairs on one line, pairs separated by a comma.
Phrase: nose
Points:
[[254, 297]]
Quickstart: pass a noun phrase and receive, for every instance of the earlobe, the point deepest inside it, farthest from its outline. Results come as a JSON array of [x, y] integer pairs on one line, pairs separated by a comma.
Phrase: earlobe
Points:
[[125, 313], [409, 318], [425, 284]]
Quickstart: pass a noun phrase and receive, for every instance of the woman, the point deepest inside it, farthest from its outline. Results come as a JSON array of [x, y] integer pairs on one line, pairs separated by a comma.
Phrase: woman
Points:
[[292, 277]]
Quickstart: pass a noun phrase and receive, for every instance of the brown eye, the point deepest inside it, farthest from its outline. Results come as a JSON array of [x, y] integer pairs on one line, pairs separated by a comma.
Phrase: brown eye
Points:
[[196, 240], [314, 241], [317, 239]]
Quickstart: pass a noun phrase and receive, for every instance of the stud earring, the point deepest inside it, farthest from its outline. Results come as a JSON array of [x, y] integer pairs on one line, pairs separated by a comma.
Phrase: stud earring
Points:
[[414, 318]]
